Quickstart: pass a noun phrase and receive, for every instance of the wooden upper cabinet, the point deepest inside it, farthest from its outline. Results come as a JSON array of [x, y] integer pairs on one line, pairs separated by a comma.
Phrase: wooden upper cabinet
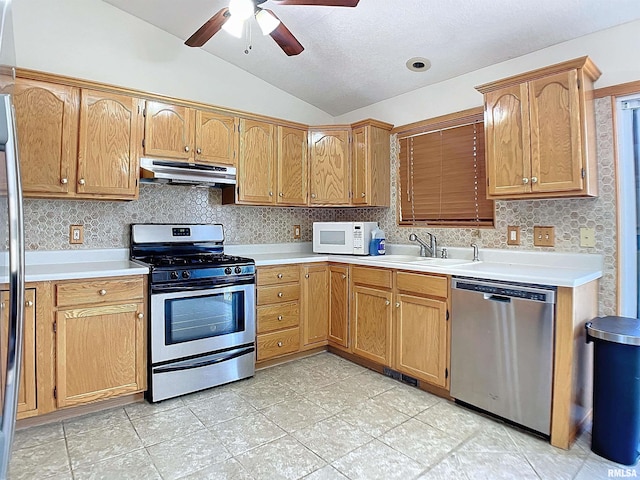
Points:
[[257, 163], [108, 147], [215, 138], [292, 166], [540, 132], [371, 164], [329, 167], [168, 131], [47, 127], [189, 135]]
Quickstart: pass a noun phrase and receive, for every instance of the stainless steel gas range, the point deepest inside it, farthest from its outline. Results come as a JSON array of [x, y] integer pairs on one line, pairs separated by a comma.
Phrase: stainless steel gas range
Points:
[[202, 308]]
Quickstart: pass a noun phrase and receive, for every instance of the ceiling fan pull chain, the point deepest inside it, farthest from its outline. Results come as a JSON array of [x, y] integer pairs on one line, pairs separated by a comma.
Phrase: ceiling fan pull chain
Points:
[[249, 46]]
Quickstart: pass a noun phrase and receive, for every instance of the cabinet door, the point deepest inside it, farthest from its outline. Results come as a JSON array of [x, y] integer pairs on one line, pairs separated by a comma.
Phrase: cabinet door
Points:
[[168, 131], [27, 405], [47, 127], [216, 138], [315, 291], [421, 338], [339, 306], [359, 166], [108, 152], [100, 352], [508, 150], [556, 138], [257, 163], [371, 324], [292, 166], [329, 167]]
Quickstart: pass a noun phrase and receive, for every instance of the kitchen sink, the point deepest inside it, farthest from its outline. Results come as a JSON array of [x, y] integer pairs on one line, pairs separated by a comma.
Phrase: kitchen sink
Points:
[[442, 262]]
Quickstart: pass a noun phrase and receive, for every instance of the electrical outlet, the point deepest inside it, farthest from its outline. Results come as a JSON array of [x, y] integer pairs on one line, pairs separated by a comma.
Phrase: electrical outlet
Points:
[[587, 237], [76, 234], [513, 235], [296, 231], [543, 236]]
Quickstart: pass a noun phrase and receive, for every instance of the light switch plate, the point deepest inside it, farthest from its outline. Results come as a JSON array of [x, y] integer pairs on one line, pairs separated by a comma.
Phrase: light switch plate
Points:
[[513, 235], [587, 237], [543, 236], [76, 234], [296, 231]]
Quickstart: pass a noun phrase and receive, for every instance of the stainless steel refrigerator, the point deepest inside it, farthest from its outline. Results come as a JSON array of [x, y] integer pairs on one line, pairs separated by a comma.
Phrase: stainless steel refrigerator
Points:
[[12, 242]]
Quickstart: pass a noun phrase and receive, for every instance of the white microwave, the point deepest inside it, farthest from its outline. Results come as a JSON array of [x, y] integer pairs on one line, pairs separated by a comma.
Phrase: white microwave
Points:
[[348, 238]]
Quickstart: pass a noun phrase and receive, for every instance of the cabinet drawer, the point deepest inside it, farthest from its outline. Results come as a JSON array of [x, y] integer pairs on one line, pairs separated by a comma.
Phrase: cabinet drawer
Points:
[[278, 343], [279, 274], [278, 294], [377, 277], [278, 316], [422, 284], [99, 291]]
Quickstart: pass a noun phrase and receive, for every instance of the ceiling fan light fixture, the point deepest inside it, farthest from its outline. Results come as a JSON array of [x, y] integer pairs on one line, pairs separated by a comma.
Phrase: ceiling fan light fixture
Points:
[[241, 9], [267, 22], [234, 26]]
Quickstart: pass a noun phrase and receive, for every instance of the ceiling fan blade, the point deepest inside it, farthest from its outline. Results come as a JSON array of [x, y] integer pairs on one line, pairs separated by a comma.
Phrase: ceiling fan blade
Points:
[[326, 3], [209, 29], [283, 37]]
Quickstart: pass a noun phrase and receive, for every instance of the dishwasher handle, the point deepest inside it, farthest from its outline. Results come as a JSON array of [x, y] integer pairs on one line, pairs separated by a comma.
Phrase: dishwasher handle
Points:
[[497, 298]]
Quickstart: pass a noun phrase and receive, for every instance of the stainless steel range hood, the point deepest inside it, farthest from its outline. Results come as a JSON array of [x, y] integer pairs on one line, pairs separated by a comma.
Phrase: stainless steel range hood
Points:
[[178, 173]]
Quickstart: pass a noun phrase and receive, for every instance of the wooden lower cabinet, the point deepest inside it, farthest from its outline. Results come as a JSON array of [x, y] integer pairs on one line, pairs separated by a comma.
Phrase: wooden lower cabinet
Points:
[[421, 338], [371, 315], [339, 306], [278, 343], [27, 399], [315, 301]]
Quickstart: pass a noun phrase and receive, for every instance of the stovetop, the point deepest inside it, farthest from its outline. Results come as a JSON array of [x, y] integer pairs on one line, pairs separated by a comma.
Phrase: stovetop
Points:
[[196, 260]]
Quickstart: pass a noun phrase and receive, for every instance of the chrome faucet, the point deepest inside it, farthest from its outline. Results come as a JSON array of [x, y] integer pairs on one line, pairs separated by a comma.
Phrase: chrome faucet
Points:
[[432, 247], [476, 258]]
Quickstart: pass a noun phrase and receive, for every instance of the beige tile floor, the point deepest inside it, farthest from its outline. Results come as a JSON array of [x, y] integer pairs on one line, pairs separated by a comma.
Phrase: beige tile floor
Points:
[[319, 418]]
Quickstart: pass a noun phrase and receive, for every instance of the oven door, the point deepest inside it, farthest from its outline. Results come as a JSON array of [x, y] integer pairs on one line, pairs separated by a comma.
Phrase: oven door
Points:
[[194, 322]]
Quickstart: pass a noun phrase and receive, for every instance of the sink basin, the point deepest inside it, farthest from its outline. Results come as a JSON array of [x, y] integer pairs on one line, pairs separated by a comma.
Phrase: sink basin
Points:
[[442, 262], [399, 258]]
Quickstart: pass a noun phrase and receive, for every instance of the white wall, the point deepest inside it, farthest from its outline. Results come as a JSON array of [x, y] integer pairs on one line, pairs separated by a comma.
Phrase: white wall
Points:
[[93, 40], [614, 51]]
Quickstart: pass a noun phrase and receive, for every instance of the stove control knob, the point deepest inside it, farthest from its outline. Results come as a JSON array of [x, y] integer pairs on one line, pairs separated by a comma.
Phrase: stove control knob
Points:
[[238, 270], [186, 274], [174, 275], [227, 270]]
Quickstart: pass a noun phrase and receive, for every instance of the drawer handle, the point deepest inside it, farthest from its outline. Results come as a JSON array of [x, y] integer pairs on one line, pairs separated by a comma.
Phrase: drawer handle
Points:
[[306, 275], [28, 303], [64, 181], [281, 194], [280, 294], [363, 195], [102, 292], [534, 179], [279, 317], [81, 181], [141, 316], [280, 275], [198, 151], [387, 302], [313, 195], [344, 276], [186, 148], [525, 180], [271, 194], [397, 304], [279, 344]]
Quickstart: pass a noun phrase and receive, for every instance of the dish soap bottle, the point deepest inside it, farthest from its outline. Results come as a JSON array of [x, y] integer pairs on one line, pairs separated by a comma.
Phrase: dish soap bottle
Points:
[[376, 245]]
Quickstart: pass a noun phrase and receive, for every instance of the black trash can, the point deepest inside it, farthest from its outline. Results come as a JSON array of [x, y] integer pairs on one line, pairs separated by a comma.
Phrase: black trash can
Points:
[[616, 388]]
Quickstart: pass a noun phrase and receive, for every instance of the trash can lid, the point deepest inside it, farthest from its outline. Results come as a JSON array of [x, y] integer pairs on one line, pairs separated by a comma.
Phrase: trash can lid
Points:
[[623, 330]]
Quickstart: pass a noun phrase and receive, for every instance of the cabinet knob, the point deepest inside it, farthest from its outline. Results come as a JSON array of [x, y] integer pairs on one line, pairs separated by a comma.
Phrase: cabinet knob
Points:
[[397, 304], [280, 275], [279, 344], [271, 194], [525, 180], [313, 195], [363, 195], [198, 151], [141, 316], [387, 302], [64, 181], [280, 294], [279, 317], [186, 148], [344, 276], [534, 179], [81, 181], [306, 275], [102, 292], [28, 303], [281, 194]]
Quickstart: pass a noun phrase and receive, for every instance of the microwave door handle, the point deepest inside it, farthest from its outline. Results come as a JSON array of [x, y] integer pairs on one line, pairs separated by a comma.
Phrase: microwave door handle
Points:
[[16, 279]]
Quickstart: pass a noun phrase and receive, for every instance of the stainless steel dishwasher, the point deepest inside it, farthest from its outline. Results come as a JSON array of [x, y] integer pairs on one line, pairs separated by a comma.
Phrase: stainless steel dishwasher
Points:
[[502, 349]]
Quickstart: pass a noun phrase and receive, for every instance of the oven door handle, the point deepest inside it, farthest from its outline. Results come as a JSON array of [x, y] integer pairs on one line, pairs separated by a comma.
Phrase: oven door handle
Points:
[[195, 288], [199, 362]]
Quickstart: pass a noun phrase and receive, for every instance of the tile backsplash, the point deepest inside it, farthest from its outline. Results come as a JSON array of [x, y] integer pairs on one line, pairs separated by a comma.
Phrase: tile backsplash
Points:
[[106, 224]]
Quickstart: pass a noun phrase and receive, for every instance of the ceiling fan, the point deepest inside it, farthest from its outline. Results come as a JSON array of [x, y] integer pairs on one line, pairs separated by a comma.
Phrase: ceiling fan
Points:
[[232, 20]]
